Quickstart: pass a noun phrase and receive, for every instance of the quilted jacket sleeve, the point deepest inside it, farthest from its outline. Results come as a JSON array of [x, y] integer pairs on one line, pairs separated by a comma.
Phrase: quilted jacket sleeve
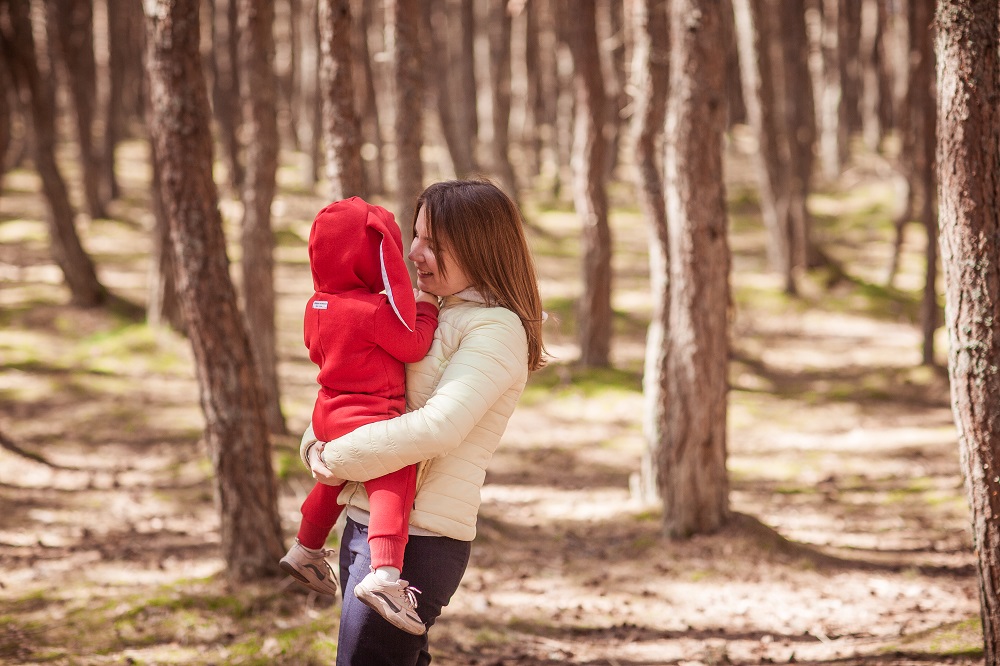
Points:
[[491, 357]]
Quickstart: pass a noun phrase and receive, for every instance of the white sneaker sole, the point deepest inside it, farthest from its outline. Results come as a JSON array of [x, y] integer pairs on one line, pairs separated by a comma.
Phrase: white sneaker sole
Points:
[[289, 569]]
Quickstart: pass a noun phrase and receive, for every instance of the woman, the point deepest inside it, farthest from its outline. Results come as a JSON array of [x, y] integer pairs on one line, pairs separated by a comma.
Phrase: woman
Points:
[[469, 249]]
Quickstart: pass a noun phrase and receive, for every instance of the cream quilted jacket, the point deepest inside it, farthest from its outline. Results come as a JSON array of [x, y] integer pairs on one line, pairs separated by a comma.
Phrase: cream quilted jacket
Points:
[[458, 399]]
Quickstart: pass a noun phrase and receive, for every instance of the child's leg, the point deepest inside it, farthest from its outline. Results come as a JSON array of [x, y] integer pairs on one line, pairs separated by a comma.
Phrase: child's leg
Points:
[[319, 513], [390, 498]]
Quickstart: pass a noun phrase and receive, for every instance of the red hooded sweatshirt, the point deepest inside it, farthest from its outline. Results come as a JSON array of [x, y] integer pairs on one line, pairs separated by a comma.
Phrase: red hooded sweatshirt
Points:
[[358, 336]]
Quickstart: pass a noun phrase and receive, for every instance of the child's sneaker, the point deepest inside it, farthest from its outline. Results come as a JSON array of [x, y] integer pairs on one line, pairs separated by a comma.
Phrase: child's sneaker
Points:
[[310, 568], [396, 602]]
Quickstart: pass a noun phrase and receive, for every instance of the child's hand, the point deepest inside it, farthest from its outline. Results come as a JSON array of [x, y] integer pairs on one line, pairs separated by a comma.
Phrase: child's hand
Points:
[[424, 297]]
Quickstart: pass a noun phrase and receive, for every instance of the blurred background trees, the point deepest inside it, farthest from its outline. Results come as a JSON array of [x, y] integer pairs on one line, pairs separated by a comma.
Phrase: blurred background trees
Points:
[[558, 101]]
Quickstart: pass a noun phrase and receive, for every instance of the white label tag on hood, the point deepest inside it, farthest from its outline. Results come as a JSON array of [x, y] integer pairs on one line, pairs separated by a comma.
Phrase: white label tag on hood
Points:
[[320, 305]]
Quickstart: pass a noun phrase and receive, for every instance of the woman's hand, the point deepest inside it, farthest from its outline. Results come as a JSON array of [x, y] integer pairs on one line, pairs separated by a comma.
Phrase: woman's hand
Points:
[[319, 469]]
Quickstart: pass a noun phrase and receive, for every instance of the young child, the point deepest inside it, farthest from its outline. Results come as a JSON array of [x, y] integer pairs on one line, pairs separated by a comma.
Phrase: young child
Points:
[[361, 338]]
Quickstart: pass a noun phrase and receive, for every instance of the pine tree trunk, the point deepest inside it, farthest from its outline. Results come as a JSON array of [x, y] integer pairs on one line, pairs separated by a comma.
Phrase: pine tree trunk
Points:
[[162, 305], [922, 110], [762, 65], [736, 109], [849, 47], [695, 491], [408, 75], [38, 95], [969, 143], [235, 426], [589, 187], [800, 117], [371, 128], [499, 25], [6, 117], [126, 42], [543, 84], [871, 37], [288, 39], [226, 88], [531, 136], [464, 62], [258, 93], [74, 43], [341, 129], [832, 132], [885, 69], [308, 130], [650, 85], [442, 62], [613, 47]]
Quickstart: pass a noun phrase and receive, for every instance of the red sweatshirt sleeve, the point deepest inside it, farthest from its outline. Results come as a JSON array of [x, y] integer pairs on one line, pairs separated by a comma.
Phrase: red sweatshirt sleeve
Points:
[[402, 344]]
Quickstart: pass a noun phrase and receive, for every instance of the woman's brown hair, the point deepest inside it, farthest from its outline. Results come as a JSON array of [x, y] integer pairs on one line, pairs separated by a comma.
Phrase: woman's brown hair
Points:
[[484, 232]]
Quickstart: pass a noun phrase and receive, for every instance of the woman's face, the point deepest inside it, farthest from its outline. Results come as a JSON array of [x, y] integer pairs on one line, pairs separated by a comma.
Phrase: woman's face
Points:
[[429, 277]]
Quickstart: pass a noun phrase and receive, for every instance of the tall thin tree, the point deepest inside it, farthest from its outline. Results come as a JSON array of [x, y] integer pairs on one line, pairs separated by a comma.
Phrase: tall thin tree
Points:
[[969, 198], [650, 85], [762, 69], [695, 488], [442, 44], [235, 425], [499, 29], [73, 26], [589, 184], [38, 95], [341, 128], [223, 57], [258, 88], [918, 124], [408, 76]]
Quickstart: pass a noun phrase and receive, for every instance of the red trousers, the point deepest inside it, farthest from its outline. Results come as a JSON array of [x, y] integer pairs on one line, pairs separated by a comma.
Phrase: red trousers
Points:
[[390, 498]]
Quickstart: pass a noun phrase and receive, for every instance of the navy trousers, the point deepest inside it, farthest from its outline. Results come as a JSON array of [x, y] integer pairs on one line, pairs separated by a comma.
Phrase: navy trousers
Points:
[[433, 565]]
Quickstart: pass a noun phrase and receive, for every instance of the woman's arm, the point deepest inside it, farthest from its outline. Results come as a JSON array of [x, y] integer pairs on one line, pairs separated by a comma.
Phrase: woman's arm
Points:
[[491, 358]]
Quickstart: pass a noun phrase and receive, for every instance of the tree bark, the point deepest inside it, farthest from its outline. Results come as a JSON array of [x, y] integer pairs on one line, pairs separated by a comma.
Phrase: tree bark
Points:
[[613, 47], [589, 186], [833, 131], [695, 490], [736, 110], [650, 86], [6, 115], [38, 95], [73, 24], [848, 48], [308, 121], [443, 59], [969, 143], [763, 74], [408, 76], [235, 426], [258, 88], [872, 29], [162, 304], [226, 88], [464, 63], [341, 129], [922, 110], [543, 84], [126, 89], [371, 127], [499, 25], [800, 115]]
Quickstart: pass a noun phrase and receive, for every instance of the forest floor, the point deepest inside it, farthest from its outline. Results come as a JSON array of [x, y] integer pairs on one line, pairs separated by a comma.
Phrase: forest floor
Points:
[[849, 542]]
